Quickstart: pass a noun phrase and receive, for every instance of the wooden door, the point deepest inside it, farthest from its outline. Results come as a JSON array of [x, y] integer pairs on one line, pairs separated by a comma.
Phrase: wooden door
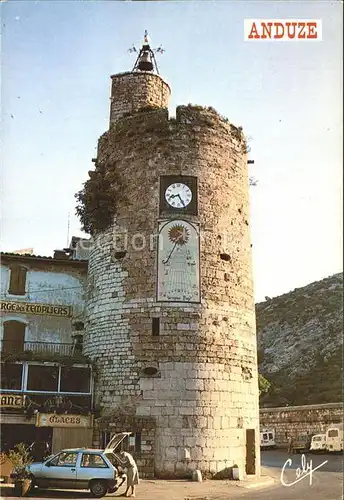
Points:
[[71, 438], [250, 451]]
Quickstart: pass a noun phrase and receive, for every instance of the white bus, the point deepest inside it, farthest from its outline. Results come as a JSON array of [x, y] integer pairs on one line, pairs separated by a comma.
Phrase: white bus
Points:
[[334, 438]]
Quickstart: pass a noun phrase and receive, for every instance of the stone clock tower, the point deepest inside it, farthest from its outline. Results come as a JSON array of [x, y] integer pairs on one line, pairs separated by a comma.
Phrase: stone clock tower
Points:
[[170, 309]]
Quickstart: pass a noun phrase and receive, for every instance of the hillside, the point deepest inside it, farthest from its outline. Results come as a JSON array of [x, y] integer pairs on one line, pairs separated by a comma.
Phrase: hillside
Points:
[[300, 344]]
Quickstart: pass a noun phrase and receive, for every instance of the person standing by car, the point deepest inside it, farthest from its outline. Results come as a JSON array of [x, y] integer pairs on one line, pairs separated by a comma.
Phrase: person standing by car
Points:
[[290, 446], [132, 473]]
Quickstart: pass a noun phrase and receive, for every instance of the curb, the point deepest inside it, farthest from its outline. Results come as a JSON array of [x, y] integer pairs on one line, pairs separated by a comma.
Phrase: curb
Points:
[[197, 498], [269, 481]]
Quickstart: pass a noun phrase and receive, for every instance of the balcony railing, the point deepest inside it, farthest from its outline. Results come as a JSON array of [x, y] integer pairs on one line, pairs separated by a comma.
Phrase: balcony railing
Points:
[[13, 347]]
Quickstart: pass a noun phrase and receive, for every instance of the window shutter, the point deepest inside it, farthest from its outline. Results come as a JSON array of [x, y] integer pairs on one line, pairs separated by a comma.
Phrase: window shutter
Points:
[[13, 280], [17, 280], [14, 336], [21, 280]]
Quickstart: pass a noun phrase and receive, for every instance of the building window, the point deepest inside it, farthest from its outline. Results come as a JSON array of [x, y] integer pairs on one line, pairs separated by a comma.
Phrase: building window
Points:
[[11, 376], [17, 280], [105, 439], [13, 337], [138, 442], [75, 379], [42, 378]]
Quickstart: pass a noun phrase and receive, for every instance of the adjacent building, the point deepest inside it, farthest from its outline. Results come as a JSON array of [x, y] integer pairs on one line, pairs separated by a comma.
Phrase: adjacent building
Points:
[[46, 383]]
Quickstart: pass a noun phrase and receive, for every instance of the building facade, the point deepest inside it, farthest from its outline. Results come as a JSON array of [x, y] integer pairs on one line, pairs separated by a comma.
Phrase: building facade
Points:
[[170, 321], [46, 383]]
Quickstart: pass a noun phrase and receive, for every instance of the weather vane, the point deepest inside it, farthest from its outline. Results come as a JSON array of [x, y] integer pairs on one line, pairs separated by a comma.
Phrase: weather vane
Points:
[[146, 56]]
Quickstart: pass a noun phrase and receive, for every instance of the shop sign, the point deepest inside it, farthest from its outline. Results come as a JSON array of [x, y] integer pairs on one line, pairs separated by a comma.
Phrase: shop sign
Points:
[[32, 308], [65, 420], [11, 400]]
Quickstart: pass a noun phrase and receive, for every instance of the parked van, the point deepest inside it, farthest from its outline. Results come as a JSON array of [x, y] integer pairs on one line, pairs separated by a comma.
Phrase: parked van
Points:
[[267, 439], [334, 438], [318, 442]]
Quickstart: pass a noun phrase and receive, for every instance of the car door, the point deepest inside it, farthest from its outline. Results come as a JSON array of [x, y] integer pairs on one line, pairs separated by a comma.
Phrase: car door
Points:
[[60, 472], [93, 466]]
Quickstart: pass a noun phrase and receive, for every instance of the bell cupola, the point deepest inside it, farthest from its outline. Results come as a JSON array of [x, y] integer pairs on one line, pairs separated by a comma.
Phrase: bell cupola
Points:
[[143, 87]]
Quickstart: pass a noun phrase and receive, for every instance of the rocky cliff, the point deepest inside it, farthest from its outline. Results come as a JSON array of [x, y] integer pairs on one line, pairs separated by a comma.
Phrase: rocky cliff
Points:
[[300, 344]]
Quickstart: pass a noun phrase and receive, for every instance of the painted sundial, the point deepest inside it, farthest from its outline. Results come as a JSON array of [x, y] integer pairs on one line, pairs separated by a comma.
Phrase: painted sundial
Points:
[[178, 262]]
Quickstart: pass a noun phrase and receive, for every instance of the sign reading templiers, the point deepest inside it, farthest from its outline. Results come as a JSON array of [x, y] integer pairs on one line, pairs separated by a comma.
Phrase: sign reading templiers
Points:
[[54, 420], [32, 308]]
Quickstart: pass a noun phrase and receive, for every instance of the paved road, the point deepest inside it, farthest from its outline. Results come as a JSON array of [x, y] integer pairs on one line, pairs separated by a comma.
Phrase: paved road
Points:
[[326, 484], [277, 458], [326, 481]]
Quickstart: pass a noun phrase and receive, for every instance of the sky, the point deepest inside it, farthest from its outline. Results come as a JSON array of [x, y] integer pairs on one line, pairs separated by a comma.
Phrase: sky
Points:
[[56, 62]]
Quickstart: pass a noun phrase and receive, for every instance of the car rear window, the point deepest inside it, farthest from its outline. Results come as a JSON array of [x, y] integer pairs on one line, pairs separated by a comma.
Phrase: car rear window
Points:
[[93, 460]]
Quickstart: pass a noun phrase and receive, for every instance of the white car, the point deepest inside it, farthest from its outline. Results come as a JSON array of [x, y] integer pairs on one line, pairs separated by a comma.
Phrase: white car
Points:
[[80, 468], [318, 442]]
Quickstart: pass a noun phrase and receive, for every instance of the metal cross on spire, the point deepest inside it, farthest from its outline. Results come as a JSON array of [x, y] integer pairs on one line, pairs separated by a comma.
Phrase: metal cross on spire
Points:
[[146, 56]]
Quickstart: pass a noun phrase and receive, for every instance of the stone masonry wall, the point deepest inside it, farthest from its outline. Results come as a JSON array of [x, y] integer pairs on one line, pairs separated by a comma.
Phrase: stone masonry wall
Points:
[[132, 91], [205, 393], [145, 426], [296, 420]]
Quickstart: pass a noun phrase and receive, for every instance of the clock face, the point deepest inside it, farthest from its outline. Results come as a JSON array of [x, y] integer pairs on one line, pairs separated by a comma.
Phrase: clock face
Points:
[[178, 262], [178, 195]]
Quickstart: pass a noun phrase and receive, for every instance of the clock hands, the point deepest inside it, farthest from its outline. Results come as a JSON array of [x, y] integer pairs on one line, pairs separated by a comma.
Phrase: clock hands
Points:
[[177, 196], [181, 200]]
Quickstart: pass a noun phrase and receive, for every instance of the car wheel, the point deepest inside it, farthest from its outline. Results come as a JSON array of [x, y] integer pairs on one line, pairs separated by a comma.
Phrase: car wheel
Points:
[[98, 488]]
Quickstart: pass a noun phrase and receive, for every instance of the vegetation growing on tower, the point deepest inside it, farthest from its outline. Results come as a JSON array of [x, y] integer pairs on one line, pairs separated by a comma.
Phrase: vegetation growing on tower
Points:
[[97, 200]]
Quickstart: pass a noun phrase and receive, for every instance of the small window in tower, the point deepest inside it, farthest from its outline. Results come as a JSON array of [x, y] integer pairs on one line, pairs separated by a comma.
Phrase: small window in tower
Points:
[[150, 370], [120, 254], [17, 280], [155, 327], [225, 256]]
